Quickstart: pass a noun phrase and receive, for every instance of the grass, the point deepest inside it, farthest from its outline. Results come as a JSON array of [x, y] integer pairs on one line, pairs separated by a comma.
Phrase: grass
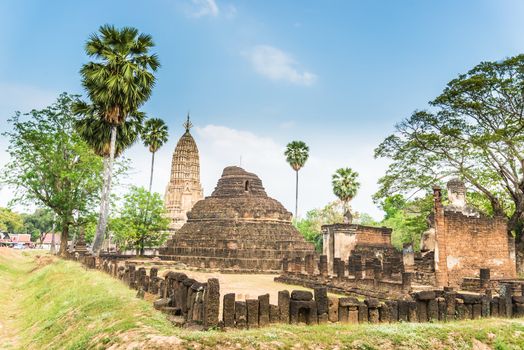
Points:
[[56, 304]]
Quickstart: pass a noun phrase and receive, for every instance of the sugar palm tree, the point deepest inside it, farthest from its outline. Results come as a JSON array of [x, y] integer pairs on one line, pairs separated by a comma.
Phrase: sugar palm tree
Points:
[[154, 135], [97, 132], [118, 82], [297, 153], [345, 187]]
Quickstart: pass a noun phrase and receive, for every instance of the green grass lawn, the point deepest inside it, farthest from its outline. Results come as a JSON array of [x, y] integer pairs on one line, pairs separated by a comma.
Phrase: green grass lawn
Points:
[[56, 304]]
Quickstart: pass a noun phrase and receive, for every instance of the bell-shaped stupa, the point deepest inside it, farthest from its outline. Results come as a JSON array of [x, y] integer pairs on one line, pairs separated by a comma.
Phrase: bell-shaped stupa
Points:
[[237, 228]]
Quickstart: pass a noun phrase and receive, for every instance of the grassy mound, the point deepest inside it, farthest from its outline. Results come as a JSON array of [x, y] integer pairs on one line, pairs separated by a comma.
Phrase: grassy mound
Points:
[[47, 303]]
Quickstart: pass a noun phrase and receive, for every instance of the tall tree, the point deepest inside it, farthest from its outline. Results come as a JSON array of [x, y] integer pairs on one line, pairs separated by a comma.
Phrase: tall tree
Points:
[[297, 153], [154, 136], [474, 130], [345, 187], [118, 82], [130, 228], [51, 165]]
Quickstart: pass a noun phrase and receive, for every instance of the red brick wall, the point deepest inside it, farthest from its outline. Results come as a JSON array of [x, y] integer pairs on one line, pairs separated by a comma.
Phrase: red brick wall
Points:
[[467, 244], [374, 235]]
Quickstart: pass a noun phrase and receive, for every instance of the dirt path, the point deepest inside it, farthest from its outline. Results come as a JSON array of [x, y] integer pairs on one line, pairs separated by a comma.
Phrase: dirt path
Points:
[[9, 298]]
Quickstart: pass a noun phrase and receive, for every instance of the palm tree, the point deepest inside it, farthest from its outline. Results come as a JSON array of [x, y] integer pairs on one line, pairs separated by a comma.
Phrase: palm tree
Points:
[[118, 82], [345, 187], [97, 132], [297, 153], [154, 136]]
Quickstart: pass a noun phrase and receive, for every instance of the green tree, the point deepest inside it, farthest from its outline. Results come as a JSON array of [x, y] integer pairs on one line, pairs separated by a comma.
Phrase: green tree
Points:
[[38, 224], [142, 222], [97, 132], [10, 221], [407, 218], [310, 226], [297, 153], [51, 166], [474, 130], [345, 186], [118, 82], [154, 136]]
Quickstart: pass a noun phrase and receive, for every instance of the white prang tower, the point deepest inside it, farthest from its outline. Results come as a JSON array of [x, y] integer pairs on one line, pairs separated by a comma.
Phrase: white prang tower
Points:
[[184, 188]]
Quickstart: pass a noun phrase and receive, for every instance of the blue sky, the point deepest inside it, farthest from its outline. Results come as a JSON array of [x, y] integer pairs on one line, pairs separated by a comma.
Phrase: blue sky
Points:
[[255, 75]]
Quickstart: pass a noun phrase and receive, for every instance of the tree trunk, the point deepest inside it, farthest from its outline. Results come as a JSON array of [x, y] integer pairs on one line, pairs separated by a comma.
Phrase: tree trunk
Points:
[[106, 191], [296, 195], [152, 167], [64, 236]]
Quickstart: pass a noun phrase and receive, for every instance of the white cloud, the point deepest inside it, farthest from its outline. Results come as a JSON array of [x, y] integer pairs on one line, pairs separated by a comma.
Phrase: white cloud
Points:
[[276, 64], [202, 8]]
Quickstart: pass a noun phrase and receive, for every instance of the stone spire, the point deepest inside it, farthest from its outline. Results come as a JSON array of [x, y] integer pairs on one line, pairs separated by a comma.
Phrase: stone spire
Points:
[[184, 188]]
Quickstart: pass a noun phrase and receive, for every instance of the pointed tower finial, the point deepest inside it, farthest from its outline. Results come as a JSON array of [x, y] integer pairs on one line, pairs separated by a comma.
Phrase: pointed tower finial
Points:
[[188, 125]]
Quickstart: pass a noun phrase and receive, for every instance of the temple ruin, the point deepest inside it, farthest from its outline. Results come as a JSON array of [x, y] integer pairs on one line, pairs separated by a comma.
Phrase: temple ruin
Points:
[[238, 228], [184, 188], [462, 249]]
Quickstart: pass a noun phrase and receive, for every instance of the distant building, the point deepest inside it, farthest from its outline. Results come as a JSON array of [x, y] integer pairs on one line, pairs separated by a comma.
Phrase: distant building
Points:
[[184, 188], [48, 239]]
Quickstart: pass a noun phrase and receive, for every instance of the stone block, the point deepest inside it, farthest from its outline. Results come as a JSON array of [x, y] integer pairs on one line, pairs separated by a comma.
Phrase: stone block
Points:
[[323, 265], [442, 309], [518, 309], [374, 316], [494, 307], [240, 314], [393, 310], [460, 309], [303, 311], [403, 310], [301, 295], [485, 306], [372, 303], [476, 311], [211, 303], [432, 310], [263, 310], [323, 318], [422, 311], [343, 313], [228, 310], [468, 311], [348, 301], [425, 295], [412, 311], [252, 313], [384, 313], [505, 294], [353, 314], [283, 305], [322, 300], [274, 314], [450, 297], [363, 313], [161, 303], [333, 309]]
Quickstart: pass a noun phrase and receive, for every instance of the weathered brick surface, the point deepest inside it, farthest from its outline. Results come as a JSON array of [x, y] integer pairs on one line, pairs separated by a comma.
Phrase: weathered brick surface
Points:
[[238, 227], [489, 245]]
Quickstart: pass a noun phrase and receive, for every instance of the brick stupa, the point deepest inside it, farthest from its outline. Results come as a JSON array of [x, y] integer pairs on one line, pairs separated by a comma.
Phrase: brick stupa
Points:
[[237, 228]]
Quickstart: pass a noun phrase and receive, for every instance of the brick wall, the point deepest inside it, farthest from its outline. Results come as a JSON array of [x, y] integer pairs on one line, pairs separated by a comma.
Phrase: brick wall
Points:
[[465, 244]]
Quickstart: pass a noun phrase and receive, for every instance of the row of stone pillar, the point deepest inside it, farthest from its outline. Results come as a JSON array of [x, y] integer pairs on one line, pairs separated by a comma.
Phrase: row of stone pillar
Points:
[[356, 266], [199, 303]]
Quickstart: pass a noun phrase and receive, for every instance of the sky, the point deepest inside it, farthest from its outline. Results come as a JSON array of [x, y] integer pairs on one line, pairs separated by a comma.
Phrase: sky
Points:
[[255, 75]]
